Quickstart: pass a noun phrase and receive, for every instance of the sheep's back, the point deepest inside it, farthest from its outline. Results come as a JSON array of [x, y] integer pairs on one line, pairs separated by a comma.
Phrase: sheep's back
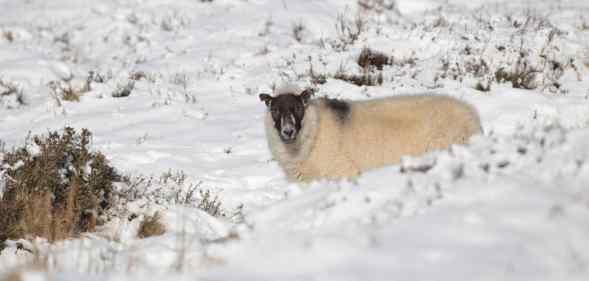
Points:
[[381, 131]]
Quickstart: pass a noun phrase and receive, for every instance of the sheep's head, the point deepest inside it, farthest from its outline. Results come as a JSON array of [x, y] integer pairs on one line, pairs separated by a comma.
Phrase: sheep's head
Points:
[[287, 112]]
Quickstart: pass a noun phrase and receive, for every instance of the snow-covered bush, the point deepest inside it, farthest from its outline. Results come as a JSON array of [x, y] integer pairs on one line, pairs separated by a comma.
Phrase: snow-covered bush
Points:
[[532, 57], [123, 89], [140, 193], [54, 187]]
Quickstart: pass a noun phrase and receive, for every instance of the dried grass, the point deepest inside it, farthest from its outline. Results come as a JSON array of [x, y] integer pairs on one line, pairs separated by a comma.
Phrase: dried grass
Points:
[[12, 276], [210, 204], [151, 226], [8, 35], [364, 79], [17, 273], [63, 90], [348, 31], [137, 75]]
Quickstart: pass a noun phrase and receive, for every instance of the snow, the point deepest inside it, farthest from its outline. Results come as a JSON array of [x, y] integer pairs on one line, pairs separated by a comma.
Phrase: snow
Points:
[[513, 204]]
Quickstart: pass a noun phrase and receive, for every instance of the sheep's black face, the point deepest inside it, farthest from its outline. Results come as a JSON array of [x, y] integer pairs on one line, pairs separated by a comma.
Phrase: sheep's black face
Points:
[[287, 112]]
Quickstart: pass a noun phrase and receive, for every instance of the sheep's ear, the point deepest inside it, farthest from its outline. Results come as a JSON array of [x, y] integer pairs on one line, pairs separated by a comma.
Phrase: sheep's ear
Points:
[[306, 95], [266, 99]]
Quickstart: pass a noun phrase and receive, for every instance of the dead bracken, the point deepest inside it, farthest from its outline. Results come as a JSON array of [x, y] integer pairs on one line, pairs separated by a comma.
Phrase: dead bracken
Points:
[[373, 59], [151, 226]]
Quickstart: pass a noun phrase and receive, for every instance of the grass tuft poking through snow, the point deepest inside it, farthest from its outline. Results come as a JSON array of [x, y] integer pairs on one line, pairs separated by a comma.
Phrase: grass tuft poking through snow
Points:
[[11, 95], [348, 31], [151, 226], [210, 204]]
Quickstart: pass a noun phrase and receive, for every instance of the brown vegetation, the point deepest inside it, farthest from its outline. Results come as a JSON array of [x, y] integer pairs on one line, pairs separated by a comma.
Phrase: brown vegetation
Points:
[[8, 35], [12, 276], [151, 226], [372, 63], [55, 187], [64, 90], [521, 78], [364, 79], [137, 75], [369, 58], [37, 265]]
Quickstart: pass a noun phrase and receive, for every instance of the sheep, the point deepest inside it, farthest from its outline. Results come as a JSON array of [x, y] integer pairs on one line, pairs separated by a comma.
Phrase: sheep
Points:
[[332, 139]]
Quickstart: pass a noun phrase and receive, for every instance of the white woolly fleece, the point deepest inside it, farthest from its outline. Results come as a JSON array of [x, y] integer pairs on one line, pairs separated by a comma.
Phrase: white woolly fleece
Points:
[[373, 133]]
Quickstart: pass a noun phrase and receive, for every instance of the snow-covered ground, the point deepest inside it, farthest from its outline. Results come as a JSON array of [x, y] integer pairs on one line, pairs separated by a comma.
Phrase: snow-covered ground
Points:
[[511, 205]]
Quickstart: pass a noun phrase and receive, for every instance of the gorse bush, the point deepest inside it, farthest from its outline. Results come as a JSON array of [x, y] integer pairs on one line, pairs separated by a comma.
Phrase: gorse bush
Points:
[[54, 187]]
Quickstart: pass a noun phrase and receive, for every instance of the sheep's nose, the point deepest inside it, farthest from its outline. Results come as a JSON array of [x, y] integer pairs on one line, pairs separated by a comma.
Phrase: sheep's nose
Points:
[[288, 132]]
